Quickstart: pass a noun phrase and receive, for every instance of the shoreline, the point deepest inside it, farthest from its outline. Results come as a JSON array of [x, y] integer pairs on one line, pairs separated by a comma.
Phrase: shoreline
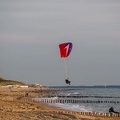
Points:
[[15, 105]]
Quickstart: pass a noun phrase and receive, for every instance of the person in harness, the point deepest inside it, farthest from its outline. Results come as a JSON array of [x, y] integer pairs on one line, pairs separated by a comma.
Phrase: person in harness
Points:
[[67, 81]]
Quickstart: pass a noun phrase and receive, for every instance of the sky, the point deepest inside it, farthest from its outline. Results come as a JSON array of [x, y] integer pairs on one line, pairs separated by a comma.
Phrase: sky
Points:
[[31, 30]]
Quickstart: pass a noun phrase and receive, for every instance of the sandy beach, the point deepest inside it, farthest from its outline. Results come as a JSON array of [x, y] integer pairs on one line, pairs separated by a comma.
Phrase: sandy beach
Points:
[[14, 105]]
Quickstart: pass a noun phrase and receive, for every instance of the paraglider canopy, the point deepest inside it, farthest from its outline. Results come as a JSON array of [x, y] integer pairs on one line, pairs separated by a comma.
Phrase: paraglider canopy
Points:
[[65, 49]]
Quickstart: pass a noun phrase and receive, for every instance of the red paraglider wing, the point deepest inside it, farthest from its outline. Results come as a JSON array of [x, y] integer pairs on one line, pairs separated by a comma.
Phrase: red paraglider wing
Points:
[[65, 49]]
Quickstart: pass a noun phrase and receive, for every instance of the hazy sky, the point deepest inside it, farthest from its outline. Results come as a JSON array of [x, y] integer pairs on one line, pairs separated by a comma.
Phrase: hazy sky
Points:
[[31, 30]]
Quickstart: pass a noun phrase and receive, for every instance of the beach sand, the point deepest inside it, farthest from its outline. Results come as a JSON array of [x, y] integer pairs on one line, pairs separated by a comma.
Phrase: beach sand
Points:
[[13, 106]]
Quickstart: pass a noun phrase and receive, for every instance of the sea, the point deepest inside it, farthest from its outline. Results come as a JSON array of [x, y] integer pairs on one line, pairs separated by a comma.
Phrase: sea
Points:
[[100, 98]]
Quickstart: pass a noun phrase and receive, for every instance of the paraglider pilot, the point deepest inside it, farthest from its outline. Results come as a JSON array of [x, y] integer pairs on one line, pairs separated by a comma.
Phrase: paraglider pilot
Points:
[[67, 81]]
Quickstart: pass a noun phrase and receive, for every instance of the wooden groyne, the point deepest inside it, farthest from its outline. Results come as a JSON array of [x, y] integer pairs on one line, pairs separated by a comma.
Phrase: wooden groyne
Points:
[[45, 100], [73, 112], [83, 96]]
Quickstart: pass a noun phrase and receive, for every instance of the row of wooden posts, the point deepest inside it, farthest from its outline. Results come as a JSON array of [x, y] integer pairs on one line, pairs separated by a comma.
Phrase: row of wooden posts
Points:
[[72, 112], [45, 100]]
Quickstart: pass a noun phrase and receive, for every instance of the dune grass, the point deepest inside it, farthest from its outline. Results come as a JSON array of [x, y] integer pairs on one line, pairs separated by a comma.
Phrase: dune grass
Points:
[[10, 82]]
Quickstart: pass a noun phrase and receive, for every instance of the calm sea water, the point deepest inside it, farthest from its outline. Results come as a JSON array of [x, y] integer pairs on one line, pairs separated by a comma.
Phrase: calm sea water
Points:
[[93, 94]]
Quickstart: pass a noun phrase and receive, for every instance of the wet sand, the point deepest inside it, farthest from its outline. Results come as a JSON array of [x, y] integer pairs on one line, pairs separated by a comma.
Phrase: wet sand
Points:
[[13, 106]]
